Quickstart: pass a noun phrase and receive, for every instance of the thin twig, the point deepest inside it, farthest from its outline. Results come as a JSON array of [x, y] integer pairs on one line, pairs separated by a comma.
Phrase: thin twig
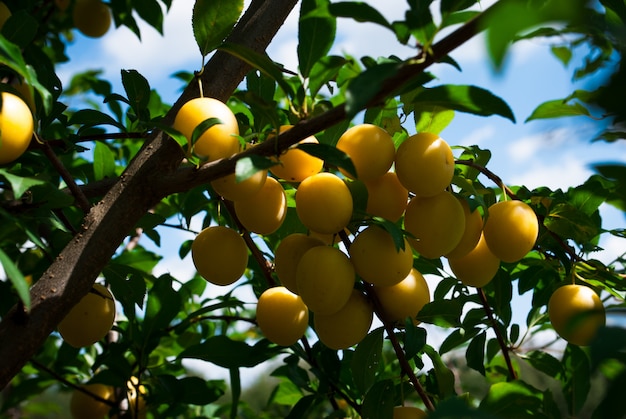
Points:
[[499, 337], [389, 328], [62, 380], [79, 196]]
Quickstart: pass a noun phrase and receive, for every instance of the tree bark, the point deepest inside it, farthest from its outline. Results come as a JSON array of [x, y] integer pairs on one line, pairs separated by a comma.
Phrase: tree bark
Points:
[[75, 269]]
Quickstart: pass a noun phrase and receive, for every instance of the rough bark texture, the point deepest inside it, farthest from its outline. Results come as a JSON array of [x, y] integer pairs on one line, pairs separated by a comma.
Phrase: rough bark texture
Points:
[[74, 271]]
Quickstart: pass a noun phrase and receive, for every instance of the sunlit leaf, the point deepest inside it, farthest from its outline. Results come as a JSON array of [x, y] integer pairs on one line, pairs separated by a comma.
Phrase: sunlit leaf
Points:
[[445, 377], [212, 21], [20, 184], [16, 277], [558, 109], [103, 161], [464, 98], [248, 166], [433, 119], [316, 33], [512, 399]]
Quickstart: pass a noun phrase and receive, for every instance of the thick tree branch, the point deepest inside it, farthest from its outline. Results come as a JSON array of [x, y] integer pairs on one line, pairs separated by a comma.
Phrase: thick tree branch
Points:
[[72, 274]]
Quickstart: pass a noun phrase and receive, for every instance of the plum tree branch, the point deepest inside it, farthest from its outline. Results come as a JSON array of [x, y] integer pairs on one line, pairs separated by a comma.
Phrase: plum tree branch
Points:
[[75, 269]]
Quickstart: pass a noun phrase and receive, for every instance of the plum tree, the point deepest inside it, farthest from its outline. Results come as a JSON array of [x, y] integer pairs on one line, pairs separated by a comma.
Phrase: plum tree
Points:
[[357, 210]]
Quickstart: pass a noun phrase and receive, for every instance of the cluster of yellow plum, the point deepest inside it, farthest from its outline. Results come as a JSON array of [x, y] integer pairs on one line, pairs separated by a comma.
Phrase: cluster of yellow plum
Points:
[[339, 284]]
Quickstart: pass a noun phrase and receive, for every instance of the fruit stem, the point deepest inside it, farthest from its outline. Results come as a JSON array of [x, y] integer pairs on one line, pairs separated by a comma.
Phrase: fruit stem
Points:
[[499, 338], [265, 265]]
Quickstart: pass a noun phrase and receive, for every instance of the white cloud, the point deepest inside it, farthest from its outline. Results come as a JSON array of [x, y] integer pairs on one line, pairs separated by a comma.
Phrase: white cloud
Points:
[[478, 136]]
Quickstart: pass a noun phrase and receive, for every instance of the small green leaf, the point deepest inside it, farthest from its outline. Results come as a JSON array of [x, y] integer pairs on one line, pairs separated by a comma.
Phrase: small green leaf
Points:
[[512, 399], [248, 166], [475, 353], [433, 119], [443, 313], [16, 277], [228, 353], [138, 91], [564, 54], [330, 155], [324, 70], [359, 11], [558, 109], [379, 401], [445, 377], [203, 127], [567, 221], [162, 305], [212, 21], [316, 33], [151, 12], [103, 162], [545, 363], [20, 184], [261, 62], [90, 118], [414, 338], [367, 359], [464, 98]]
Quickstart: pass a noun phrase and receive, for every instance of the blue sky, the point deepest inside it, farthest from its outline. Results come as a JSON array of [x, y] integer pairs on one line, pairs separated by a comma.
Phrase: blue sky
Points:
[[556, 153]]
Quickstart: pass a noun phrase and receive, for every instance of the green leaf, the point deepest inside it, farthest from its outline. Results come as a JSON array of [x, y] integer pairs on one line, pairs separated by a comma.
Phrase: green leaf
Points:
[[16, 277], [545, 363], [90, 118], [457, 338], [363, 88], [330, 155], [576, 378], [261, 62], [103, 161], [323, 71], [475, 353], [162, 305], [464, 98], [248, 166], [394, 231], [514, 399], [564, 54], [151, 12], [203, 127], [379, 401], [20, 184], [445, 377], [138, 91], [359, 11], [414, 338], [21, 28], [367, 359], [432, 119], [567, 221], [189, 390], [443, 313], [228, 353], [557, 109], [316, 33], [212, 21], [420, 22]]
